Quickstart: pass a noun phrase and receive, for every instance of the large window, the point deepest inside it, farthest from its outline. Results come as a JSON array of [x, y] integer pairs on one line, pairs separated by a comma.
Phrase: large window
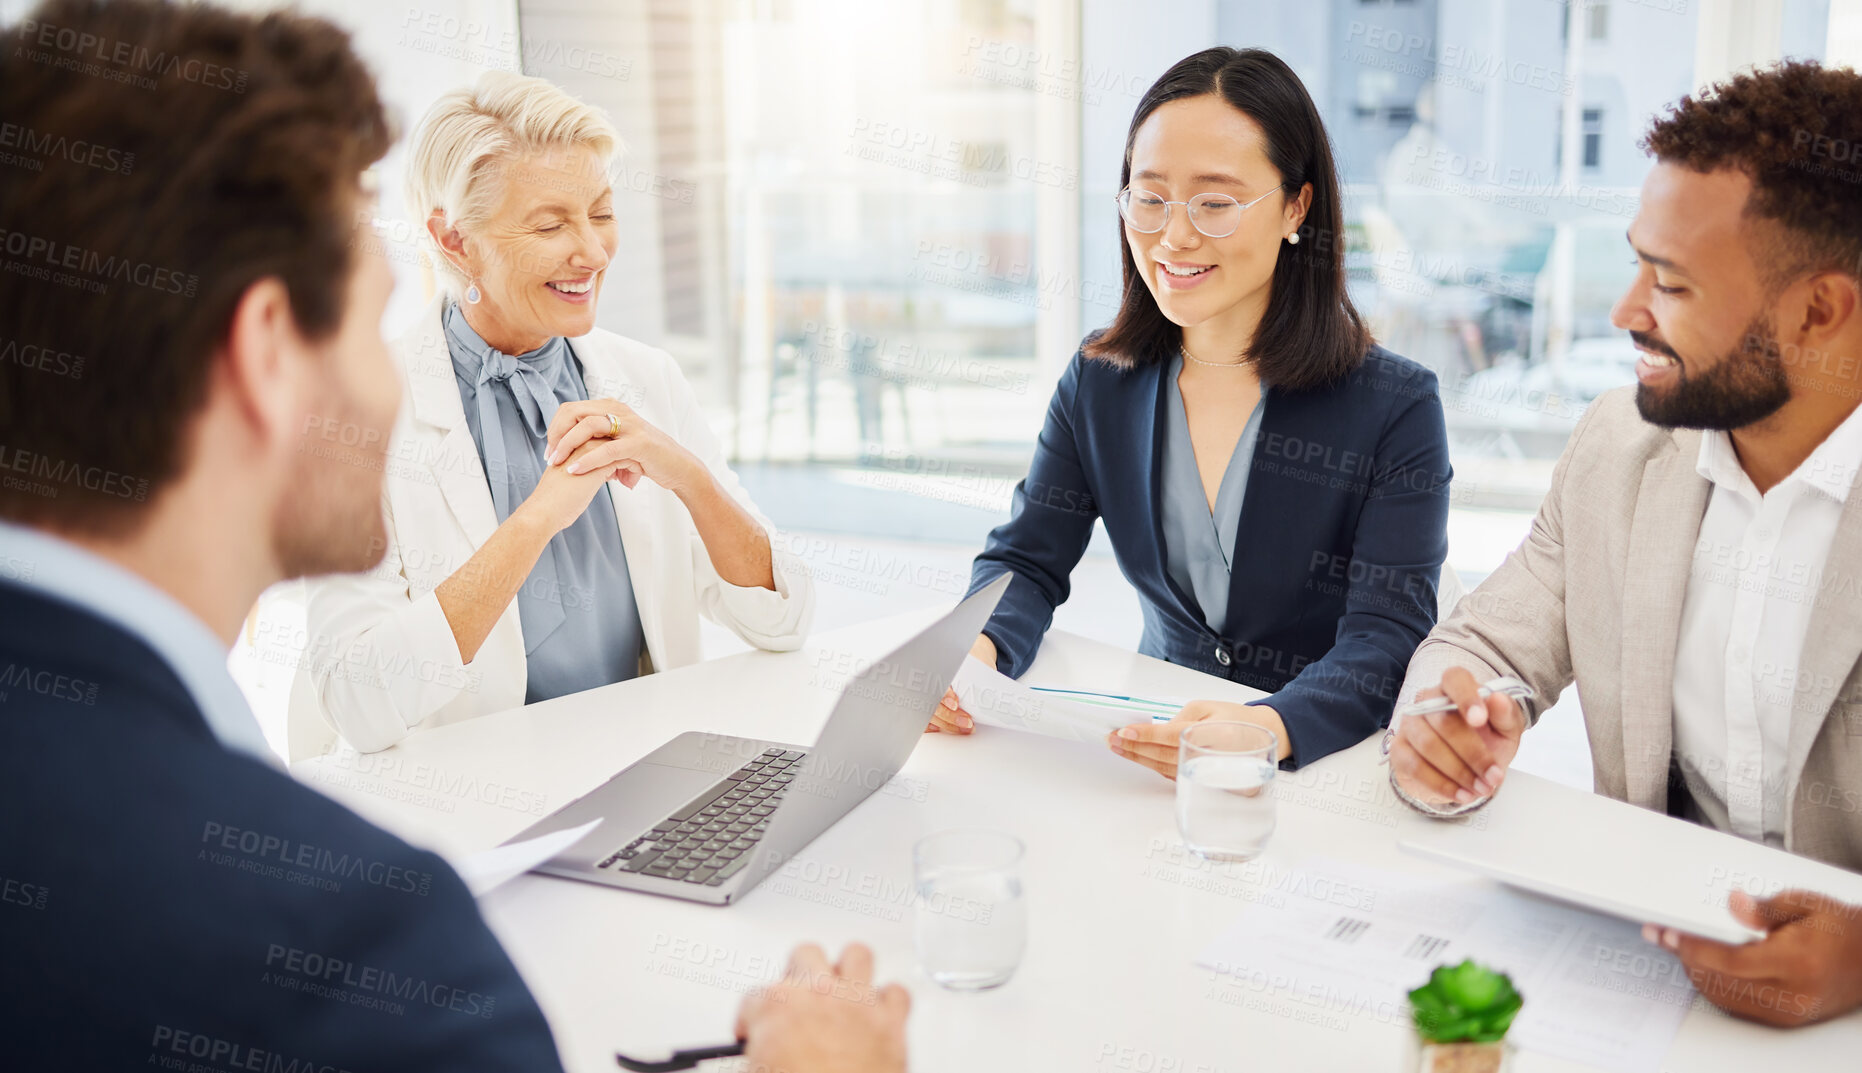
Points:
[[839, 233], [872, 233]]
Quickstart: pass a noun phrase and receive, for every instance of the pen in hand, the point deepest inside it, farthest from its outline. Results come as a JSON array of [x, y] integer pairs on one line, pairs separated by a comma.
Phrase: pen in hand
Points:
[[1505, 684]]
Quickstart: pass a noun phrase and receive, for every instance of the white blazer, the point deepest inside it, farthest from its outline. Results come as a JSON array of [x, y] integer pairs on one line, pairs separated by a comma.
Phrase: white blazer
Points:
[[381, 658]]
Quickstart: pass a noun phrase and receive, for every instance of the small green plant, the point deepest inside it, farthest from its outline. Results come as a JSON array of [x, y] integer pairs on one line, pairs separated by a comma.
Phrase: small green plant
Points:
[[1465, 1002]]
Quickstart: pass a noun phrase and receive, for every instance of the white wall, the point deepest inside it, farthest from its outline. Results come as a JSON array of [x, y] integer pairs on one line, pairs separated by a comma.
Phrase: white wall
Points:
[[1845, 33], [417, 51]]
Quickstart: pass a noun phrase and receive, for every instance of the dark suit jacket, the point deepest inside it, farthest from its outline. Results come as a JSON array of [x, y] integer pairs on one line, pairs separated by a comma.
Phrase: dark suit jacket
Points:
[[1342, 537], [163, 899]]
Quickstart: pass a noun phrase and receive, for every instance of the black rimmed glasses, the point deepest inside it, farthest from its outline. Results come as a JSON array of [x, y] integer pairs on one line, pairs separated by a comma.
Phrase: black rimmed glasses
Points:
[[1215, 215]]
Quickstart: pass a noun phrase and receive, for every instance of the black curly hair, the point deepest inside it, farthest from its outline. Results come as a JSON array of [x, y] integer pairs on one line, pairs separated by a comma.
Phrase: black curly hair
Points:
[[1795, 129]]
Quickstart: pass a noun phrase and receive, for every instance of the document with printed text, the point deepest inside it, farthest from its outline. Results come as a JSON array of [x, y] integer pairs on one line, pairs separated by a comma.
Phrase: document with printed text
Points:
[[1356, 940]]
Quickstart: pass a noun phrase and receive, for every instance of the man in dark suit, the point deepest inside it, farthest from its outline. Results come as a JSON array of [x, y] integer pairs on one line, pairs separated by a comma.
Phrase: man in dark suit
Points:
[[194, 403]]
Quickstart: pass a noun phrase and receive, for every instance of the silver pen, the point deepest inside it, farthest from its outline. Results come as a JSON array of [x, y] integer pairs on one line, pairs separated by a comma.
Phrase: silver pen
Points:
[[1505, 684]]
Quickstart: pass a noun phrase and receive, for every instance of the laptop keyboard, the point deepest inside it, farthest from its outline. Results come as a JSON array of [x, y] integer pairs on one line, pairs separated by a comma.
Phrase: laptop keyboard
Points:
[[710, 839]]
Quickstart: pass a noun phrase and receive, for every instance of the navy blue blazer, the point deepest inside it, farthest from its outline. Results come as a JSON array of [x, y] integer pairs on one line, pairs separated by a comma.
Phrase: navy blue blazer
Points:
[[1342, 536], [167, 903]]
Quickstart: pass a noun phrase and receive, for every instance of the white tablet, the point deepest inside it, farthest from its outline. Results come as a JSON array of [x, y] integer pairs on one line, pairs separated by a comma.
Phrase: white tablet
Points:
[[1604, 892]]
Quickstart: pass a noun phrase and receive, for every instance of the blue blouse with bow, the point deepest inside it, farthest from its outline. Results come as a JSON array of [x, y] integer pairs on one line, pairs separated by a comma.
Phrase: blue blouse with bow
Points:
[[581, 624]]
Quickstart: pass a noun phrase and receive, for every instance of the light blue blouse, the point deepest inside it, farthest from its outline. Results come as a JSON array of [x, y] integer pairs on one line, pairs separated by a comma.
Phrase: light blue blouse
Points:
[[579, 598], [1199, 544]]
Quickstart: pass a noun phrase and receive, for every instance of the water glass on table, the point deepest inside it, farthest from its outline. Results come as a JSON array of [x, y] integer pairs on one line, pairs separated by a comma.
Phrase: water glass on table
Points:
[[971, 920], [1225, 789]]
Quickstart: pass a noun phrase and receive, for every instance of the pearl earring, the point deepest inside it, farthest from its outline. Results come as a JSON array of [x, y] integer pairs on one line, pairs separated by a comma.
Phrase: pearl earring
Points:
[[1293, 239], [472, 294]]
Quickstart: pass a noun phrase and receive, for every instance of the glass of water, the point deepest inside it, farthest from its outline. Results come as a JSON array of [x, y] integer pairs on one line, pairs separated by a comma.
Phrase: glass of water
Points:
[[1225, 789], [970, 918]]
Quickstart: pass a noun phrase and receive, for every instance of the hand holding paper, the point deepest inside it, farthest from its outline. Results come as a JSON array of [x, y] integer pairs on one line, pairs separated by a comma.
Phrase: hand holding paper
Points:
[[1155, 745], [949, 717], [995, 699]]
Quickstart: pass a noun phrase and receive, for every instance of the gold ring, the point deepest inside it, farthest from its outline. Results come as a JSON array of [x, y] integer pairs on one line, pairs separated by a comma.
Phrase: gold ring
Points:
[[614, 425]]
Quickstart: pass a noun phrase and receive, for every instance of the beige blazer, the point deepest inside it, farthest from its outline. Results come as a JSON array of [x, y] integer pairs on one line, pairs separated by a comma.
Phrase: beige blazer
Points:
[[1595, 593]]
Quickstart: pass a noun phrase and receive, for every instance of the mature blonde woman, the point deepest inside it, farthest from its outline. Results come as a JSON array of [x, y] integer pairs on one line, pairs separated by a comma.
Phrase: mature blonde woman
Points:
[[558, 512]]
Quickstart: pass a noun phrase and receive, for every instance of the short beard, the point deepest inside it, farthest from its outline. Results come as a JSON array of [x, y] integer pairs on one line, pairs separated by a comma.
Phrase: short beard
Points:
[[1746, 386], [330, 521]]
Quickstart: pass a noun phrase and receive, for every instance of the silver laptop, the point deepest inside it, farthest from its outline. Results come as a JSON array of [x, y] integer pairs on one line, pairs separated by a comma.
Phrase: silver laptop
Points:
[[706, 817]]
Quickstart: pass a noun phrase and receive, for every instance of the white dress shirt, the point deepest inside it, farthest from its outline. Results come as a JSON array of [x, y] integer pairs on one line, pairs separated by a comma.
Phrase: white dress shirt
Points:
[[1757, 568], [66, 572]]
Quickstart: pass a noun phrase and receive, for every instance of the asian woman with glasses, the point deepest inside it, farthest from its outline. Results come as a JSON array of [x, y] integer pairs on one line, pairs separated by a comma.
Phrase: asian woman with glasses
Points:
[[1274, 483]]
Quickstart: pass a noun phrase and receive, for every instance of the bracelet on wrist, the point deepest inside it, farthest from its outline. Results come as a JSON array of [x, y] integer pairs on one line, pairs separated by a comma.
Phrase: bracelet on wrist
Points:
[[1440, 812]]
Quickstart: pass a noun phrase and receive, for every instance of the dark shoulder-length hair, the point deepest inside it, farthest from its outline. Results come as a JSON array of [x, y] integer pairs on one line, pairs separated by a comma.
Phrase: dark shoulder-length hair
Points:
[[1310, 334]]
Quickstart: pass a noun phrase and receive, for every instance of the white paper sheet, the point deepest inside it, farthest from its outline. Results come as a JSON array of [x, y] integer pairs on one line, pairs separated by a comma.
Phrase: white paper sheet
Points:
[[1360, 938], [997, 700], [488, 869]]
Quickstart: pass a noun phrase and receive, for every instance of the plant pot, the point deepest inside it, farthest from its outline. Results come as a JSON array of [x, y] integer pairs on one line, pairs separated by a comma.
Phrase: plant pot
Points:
[[1431, 1057]]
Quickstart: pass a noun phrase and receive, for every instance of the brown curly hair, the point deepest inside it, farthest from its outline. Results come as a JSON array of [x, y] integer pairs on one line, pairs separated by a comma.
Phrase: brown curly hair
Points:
[[1795, 129], [164, 158]]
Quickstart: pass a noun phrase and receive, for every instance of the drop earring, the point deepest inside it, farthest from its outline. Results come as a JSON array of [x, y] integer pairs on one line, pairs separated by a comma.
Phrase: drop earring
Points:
[[472, 295]]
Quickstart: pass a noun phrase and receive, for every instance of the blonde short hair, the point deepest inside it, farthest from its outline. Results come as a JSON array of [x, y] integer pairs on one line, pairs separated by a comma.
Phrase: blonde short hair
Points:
[[469, 132]]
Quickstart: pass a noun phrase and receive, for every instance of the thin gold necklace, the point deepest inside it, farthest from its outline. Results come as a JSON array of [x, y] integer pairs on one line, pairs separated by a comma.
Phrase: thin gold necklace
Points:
[[1187, 356]]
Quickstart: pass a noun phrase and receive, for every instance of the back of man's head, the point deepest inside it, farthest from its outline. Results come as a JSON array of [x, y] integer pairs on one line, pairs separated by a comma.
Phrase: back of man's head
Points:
[[165, 158]]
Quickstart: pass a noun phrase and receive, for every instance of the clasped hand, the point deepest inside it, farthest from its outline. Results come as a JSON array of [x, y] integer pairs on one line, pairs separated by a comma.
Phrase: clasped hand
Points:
[[583, 439]]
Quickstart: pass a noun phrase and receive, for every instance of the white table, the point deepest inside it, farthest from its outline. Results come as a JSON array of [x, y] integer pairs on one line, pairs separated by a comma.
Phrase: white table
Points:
[[1117, 912]]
